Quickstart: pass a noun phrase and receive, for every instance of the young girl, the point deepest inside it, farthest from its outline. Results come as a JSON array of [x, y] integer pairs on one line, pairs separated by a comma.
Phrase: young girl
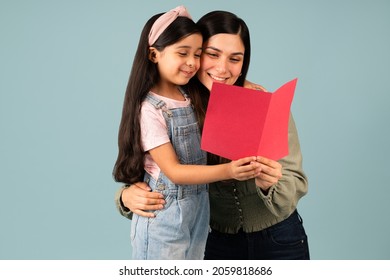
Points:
[[159, 134]]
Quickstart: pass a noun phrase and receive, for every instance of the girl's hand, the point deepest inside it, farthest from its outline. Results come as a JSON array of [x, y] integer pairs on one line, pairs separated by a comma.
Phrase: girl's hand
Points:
[[139, 199], [271, 172], [245, 168]]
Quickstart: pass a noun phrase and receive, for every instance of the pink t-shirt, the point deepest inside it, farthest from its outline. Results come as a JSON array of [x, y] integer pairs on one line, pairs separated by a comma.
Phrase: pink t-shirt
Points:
[[154, 129]]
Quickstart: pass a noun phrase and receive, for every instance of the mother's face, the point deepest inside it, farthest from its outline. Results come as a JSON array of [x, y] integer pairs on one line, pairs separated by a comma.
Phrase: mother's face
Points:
[[221, 60]]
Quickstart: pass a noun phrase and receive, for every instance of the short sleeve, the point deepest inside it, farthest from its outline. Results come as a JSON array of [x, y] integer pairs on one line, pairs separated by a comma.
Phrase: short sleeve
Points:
[[153, 127]]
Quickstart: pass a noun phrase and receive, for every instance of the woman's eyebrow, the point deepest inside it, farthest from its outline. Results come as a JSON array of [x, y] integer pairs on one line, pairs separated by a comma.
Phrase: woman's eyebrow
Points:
[[214, 49], [218, 50]]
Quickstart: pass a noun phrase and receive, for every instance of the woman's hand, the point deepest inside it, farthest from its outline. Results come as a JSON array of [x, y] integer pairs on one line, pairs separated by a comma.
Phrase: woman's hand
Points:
[[245, 168], [139, 199], [271, 172], [248, 84]]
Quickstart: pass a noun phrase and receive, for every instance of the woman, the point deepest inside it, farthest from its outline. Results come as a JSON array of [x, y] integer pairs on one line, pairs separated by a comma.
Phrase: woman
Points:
[[253, 219]]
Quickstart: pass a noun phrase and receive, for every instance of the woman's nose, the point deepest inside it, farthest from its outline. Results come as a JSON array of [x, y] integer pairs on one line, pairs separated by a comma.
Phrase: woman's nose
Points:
[[221, 66]]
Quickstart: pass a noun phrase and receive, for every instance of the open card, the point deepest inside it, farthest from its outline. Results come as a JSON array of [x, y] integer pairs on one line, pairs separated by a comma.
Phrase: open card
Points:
[[243, 122]]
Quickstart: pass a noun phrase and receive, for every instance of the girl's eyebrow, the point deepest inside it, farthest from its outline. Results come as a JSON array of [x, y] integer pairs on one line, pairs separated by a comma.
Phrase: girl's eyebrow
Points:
[[183, 47], [218, 50], [187, 47]]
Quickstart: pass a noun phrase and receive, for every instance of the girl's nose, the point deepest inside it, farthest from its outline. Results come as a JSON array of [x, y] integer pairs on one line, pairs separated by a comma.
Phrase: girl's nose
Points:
[[191, 62]]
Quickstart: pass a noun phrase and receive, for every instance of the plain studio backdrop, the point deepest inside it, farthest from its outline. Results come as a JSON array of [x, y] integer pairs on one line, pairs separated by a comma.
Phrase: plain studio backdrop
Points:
[[64, 67]]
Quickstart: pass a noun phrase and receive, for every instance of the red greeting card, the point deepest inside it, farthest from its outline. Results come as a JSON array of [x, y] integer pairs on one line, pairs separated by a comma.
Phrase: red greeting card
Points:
[[244, 122]]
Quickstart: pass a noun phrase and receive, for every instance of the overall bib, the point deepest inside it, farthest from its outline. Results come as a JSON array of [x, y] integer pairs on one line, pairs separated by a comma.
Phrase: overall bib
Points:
[[179, 231]]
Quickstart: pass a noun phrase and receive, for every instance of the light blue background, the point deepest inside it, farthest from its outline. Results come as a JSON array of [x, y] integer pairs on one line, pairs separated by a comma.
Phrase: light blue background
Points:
[[64, 66]]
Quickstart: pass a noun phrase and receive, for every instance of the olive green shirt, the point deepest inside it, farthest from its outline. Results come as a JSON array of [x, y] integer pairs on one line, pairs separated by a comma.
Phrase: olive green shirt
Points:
[[240, 204]]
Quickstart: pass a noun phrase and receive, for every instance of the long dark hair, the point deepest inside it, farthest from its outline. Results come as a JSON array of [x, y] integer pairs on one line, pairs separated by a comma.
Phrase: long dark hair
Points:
[[217, 22], [211, 24], [129, 166]]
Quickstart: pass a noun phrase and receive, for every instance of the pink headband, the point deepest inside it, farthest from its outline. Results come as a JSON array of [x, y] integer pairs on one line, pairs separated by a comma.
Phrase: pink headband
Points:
[[164, 21]]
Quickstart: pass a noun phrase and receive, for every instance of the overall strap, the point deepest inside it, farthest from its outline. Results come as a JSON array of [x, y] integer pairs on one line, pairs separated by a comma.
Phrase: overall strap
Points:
[[156, 102], [183, 92], [161, 105]]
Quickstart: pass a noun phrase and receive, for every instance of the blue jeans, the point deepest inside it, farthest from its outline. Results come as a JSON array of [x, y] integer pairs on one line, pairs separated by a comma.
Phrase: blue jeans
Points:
[[286, 240], [179, 231]]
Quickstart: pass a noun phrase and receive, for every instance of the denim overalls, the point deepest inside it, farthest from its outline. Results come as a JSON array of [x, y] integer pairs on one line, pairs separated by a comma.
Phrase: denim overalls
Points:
[[179, 231]]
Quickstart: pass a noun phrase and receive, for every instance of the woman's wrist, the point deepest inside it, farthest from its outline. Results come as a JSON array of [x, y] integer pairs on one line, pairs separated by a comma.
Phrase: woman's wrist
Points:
[[120, 198]]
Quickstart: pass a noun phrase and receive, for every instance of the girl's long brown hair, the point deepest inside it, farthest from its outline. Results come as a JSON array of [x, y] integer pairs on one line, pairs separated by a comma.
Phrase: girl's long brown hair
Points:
[[129, 166]]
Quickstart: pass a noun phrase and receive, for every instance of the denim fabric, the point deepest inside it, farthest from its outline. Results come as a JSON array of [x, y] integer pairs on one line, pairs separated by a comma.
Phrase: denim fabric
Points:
[[179, 231], [286, 240]]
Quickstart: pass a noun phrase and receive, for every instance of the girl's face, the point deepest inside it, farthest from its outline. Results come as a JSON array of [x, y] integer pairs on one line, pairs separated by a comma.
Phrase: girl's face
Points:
[[179, 62], [221, 60]]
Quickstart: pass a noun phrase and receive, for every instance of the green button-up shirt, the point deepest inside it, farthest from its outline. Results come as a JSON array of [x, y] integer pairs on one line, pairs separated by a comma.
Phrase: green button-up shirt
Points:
[[241, 204]]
